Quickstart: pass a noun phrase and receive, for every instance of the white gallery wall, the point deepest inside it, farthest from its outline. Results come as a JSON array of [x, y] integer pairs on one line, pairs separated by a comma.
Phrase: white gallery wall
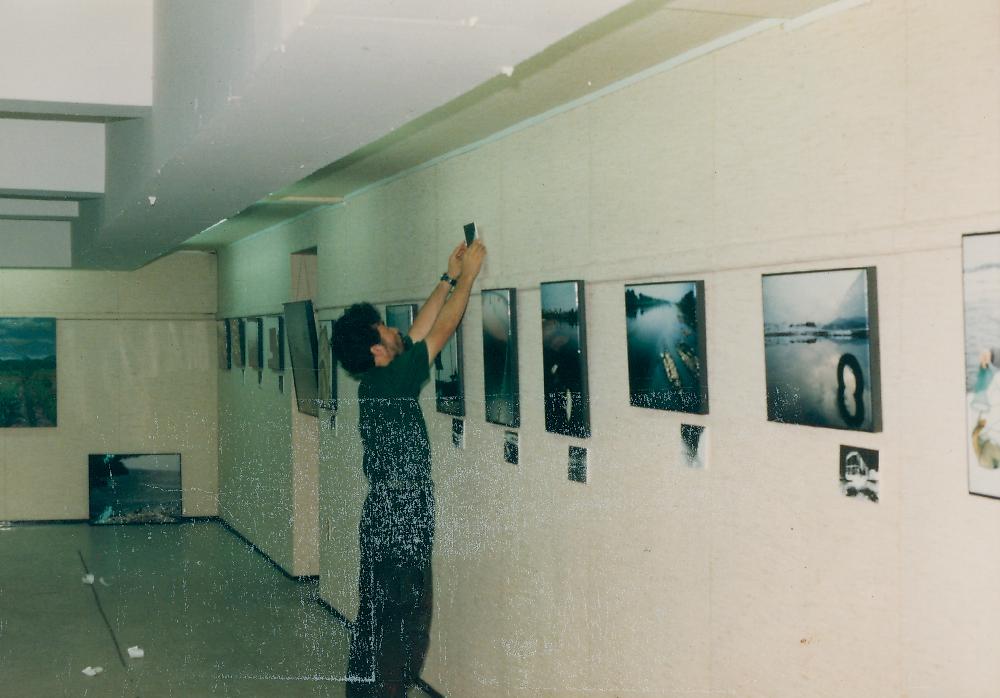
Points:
[[869, 138], [135, 373]]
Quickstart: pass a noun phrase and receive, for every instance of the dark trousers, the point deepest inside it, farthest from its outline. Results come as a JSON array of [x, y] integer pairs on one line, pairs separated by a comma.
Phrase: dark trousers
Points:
[[390, 637]]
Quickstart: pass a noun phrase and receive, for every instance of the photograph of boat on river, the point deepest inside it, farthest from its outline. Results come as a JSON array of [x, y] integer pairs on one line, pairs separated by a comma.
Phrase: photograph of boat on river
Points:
[[665, 328], [821, 349], [564, 359], [503, 399], [981, 267], [449, 386], [859, 472]]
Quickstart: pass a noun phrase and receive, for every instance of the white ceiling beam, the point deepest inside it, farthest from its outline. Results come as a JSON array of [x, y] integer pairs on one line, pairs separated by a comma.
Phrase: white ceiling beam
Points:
[[38, 209], [52, 156]]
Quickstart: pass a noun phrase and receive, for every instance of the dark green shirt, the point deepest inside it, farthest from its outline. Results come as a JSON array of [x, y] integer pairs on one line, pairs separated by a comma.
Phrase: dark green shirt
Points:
[[398, 517]]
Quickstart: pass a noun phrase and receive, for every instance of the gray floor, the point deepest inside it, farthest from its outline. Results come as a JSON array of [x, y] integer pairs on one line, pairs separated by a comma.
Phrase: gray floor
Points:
[[213, 616]]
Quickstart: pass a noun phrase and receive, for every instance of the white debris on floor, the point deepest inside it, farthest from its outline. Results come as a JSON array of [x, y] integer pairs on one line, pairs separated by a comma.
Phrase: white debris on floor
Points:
[[136, 652], [93, 670], [87, 579]]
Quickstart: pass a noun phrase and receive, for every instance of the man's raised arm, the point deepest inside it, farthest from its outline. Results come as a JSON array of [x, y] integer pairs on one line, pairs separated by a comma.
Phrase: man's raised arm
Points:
[[431, 308], [454, 308]]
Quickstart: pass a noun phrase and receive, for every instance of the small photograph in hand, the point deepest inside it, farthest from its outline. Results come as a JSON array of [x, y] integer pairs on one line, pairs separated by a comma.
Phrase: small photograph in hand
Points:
[[471, 233]]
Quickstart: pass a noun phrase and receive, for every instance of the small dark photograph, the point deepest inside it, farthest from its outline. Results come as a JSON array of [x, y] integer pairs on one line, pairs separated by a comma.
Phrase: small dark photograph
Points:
[[665, 329], [276, 344], [449, 386], [577, 464], [327, 368], [255, 343], [564, 359], [694, 445], [135, 488], [458, 433], [859, 472], [400, 316], [28, 372], [503, 404], [238, 342], [821, 349], [510, 447]]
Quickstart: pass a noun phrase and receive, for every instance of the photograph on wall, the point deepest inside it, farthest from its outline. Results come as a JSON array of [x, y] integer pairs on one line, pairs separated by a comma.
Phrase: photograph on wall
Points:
[[821, 349], [577, 470], [27, 372], [665, 332], [275, 343], [400, 316], [237, 342], [255, 343], [135, 488], [503, 400], [300, 328], [981, 277], [564, 359], [223, 345], [511, 447], [449, 387], [327, 368], [458, 433], [694, 445], [859, 472]]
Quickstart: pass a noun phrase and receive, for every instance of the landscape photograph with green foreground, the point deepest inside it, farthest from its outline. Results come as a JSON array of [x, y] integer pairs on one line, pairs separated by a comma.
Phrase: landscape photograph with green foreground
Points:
[[27, 372]]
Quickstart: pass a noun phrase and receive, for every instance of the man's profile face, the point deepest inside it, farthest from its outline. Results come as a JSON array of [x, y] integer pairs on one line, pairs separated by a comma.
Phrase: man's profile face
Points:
[[391, 340]]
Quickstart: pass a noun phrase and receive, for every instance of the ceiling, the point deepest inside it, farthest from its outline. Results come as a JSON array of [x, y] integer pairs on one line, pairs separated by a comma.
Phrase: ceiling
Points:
[[197, 124]]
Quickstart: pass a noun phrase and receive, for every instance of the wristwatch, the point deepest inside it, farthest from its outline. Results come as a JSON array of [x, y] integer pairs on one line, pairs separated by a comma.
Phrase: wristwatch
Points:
[[445, 277]]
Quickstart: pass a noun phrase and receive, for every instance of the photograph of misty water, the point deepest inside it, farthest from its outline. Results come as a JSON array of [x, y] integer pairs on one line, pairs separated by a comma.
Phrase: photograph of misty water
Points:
[[666, 362], [817, 349], [27, 372]]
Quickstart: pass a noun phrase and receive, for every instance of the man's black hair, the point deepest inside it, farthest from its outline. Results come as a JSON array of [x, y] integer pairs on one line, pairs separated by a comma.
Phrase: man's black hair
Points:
[[354, 334]]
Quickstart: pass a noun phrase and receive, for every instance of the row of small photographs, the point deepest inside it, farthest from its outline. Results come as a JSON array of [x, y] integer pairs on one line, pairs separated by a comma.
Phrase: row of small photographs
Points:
[[820, 341], [241, 343]]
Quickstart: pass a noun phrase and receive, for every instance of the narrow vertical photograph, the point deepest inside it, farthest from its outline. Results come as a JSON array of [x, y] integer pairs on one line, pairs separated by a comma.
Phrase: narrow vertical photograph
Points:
[[449, 386], [981, 280], [255, 343], [665, 329], [564, 359], [694, 445], [500, 357], [300, 325], [821, 349], [276, 343], [237, 342], [223, 345]]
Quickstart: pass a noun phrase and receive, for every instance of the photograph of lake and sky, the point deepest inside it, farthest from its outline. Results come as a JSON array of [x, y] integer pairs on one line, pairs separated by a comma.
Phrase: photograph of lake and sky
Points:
[[502, 390], [666, 346], [567, 402], [981, 267], [820, 349]]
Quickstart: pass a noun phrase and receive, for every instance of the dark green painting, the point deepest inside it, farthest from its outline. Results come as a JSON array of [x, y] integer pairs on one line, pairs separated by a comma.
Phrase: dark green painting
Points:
[[27, 372]]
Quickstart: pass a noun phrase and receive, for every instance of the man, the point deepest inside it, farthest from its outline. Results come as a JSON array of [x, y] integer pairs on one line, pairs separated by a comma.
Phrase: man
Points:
[[391, 634]]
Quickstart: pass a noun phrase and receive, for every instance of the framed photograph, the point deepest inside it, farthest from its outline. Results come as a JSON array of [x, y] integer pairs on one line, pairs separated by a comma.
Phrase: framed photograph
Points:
[[327, 367], [27, 372], [503, 400], [981, 278], [694, 445], [665, 332], [577, 464], [255, 343], [821, 349], [300, 324], [135, 488], [564, 358], [449, 385], [237, 342], [458, 433], [223, 342], [859, 472], [276, 343], [400, 316], [511, 443]]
